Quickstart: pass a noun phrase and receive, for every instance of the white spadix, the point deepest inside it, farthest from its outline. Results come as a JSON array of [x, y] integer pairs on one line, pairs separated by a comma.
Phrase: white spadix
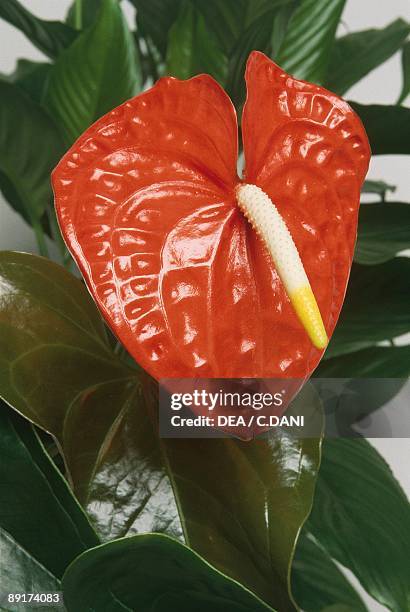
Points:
[[264, 217]]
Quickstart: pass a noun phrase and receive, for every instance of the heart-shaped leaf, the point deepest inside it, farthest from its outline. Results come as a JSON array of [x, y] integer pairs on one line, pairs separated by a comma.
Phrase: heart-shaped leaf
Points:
[[21, 572], [375, 308], [405, 59], [51, 37], [384, 231], [356, 54], [305, 50], [362, 517], [99, 71], [318, 582], [37, 507], [30, 146], [152, 573], [56, 368], [192, 47], [387, 127]]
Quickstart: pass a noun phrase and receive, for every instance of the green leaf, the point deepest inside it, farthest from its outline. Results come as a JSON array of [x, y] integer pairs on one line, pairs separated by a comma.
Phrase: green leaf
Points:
[[118, 459], [234, 517], [30, 147], [37, 507], [242, 504], [405, 60], [318, 582], [155, 18], [269, 21], [379, 187], [355, 55], [151, 573], [362, 518], [98, 72], [305, 50], [375, 362], [387, 127], [51, 333], [57, 368], [50, 37], [88, 14], [375, 308], [226, 19], [384, 231], [280, 25], [21, 572], [192, 48], [31, 77]]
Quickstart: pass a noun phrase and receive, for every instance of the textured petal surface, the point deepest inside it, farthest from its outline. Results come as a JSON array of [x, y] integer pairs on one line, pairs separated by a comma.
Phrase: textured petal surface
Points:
[[309, 152], [146, 203], [144, 198]]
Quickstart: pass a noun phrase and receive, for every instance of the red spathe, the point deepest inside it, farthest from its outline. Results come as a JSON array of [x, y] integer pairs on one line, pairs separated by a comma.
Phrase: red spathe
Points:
[[146, 203]]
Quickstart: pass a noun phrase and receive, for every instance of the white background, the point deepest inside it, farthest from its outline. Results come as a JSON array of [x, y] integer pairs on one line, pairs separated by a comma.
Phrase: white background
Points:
[[381, 86]]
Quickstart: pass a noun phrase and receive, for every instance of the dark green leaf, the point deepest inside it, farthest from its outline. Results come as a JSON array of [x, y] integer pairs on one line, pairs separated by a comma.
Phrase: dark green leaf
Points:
[[387, 127], [226, 19], [305, 50], [376, 362], [22, 573], [151, 573], [192, 48], [405, 59], [384, 231], [318, 582], [87, 15], [376, 306], [76, 389], [54, 344], [379, 187], [362, 518], [118, 459], [51, 37], [37, 507], [122, 462], [280, 25], [355, 55], [98, 72], [257, 36], [242, 503], [155, 18], [30, 147], [57, 368], [31, 77]]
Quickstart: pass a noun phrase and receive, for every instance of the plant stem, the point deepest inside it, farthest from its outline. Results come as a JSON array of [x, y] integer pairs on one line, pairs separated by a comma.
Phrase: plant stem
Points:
[[78, 14], [41, 240]]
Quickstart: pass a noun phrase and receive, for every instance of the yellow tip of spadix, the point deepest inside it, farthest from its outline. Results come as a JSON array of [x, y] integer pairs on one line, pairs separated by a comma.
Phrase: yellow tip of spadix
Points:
[[305, 305]]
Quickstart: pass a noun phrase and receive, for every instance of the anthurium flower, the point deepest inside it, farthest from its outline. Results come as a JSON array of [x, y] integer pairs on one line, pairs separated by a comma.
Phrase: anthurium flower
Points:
[[201, 273]]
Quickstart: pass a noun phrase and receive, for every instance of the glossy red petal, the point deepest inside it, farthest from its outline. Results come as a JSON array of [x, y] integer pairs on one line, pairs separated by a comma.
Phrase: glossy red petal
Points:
[[308, 150], [144, 198]]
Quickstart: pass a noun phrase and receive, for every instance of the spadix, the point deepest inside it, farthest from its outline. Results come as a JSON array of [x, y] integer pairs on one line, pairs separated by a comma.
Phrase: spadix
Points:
[[272, 229]]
